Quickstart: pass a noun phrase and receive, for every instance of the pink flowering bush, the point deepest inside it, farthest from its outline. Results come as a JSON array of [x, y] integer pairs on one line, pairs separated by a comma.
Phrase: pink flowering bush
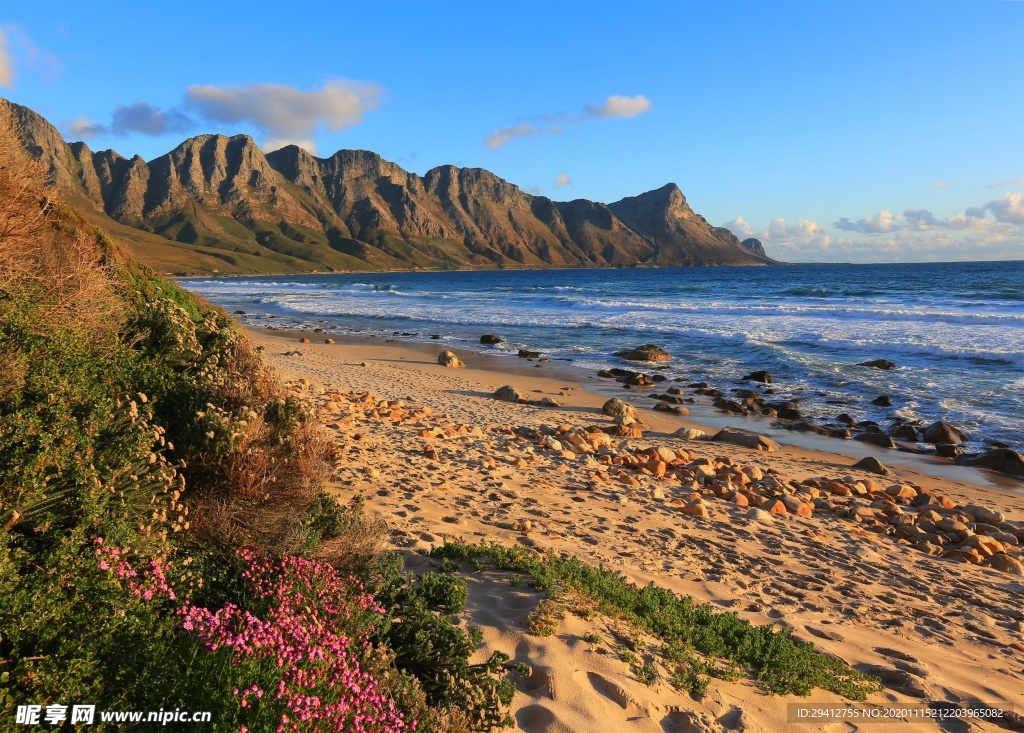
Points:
[[292, 653]]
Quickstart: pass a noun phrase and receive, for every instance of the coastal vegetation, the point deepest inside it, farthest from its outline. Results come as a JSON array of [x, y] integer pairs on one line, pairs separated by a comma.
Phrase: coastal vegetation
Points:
[[166, 539]]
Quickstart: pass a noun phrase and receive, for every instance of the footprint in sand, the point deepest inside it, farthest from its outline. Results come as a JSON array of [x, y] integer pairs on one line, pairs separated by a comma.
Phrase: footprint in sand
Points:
[[534, 718]]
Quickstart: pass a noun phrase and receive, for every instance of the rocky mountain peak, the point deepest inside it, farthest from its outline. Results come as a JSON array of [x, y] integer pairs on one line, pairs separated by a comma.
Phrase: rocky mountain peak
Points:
[[222, 202]]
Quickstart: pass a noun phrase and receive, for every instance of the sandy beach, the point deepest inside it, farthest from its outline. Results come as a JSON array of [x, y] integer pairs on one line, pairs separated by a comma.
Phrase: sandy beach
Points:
[[793, 537]]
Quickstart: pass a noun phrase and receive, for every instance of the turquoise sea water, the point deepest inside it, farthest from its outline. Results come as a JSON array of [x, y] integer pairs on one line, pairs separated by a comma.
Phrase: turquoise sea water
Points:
[[955, 330]]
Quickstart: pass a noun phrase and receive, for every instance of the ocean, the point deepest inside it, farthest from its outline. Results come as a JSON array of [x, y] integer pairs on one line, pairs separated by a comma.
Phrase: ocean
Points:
[[954, 330]]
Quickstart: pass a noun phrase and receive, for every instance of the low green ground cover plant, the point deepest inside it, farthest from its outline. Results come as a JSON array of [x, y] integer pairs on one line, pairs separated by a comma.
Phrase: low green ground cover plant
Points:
[[780, 664]]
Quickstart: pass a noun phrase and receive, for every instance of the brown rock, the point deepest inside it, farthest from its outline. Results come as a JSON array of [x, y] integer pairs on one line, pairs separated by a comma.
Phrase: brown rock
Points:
[[746, 439], [941, 432], [616, 407], [1003, 460], [647, 352], [449, 359], [304, 340], [509, 393], [1006, 564], [696, 509], [774, 506]]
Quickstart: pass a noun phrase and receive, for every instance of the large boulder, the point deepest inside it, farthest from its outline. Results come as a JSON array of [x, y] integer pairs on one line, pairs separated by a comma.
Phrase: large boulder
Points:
[[941, 432], [449, 359], [616, 407], [759, 376], [490, 338], [878, 364], [746, 439], [647, 352], [1003, 460]]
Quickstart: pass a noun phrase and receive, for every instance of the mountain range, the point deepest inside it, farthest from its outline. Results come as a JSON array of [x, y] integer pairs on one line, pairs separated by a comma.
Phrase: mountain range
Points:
[[220, 204]]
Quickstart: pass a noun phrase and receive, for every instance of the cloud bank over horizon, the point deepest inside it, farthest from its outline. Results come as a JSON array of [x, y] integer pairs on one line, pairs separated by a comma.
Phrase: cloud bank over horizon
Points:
[[992, 230]]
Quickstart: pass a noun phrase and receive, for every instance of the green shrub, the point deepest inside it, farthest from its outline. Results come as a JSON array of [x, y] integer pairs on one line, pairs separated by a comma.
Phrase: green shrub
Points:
[[780, 664]]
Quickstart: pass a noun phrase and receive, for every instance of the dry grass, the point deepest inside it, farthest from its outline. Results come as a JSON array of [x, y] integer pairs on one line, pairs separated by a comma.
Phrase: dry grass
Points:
[[48, 252]]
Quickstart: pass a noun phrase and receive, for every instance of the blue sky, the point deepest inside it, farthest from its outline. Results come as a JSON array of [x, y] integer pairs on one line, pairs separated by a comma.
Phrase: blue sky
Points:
[[833, 131]]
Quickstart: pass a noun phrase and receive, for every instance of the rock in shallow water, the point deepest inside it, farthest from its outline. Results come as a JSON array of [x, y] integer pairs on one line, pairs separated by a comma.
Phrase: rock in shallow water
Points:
[[878, 364], [647, 352], [998, 459], [941, 432]]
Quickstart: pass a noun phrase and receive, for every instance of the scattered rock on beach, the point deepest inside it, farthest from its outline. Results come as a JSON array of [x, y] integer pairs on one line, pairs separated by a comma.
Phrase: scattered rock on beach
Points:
[[490, 338], [1006, 564], [615, 407], [674, 409], [941, 432], [548, 402], [761, 376], [872, 465], [449, 359], [528, 354], [882, 401], [303, 340], [689, 434], [509, 393], [1003, 460], [647, 352], [746, 439], [984, 514], [878, 364]]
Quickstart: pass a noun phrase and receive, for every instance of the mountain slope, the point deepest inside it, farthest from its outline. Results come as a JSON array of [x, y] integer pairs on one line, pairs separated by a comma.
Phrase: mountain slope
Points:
[[218, 203]]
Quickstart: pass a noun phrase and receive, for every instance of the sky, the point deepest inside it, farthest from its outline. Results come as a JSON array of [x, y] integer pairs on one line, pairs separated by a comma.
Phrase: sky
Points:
[[832, 131]]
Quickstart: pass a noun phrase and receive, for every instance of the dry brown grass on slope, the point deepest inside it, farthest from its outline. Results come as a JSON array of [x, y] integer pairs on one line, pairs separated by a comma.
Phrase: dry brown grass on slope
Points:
[[49, 254]]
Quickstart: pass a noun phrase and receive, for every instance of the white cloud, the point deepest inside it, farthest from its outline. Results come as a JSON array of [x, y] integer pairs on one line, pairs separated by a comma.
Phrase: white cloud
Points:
[[1009, 182], [965, 221], [285, 114], [615, 106], [144, 118], [562, 180], [82, 128], [938, 185], [779, 231], [17, 48], [1009, 209], [272, 144], [502, 137], [919, 219], [739, 227], [6, 62], [879, 223]]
